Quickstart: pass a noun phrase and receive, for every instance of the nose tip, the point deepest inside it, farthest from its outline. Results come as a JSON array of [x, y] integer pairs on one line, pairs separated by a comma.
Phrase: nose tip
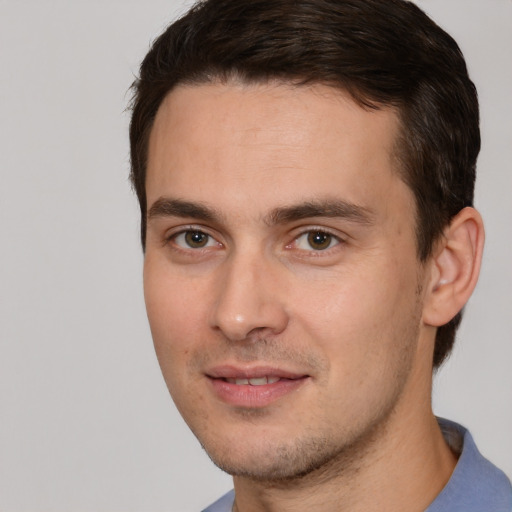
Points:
[[249, 305], [244, 328]]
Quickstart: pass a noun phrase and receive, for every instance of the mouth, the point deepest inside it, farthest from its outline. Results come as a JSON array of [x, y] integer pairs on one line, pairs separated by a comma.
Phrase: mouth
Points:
[[253, 387], [255, 381]]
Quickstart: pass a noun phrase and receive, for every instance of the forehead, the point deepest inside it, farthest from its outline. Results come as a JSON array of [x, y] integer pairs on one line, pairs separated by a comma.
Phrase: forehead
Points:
[[219, 136]]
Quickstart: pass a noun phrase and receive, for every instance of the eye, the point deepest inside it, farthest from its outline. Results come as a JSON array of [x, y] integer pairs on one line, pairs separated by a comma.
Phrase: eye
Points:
[[316, 240], [194, 239]]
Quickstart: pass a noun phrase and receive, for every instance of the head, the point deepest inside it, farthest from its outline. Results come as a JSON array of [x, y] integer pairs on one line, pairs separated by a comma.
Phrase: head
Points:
[[303, 170], [365, 48]]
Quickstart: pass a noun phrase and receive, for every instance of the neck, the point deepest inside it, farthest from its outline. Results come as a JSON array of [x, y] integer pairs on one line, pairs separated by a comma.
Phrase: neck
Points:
[[403, 467]]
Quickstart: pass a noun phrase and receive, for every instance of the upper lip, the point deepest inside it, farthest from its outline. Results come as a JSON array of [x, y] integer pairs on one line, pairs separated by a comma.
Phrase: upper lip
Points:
[[251, 372]]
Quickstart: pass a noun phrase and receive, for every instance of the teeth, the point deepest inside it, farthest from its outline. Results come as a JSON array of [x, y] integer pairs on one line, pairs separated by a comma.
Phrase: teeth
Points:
[[260, 381]]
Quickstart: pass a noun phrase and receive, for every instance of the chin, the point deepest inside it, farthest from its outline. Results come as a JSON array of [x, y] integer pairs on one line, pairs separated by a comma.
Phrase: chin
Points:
[[285, 456], [276, 462]]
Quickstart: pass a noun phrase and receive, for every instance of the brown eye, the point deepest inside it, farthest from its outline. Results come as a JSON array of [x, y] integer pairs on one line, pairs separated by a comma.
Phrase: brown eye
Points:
[[319, 240], [316, 240], [196, 239]]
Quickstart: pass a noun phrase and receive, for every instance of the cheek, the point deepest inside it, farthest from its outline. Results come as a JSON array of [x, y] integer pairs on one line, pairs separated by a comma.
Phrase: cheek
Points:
[[173, 312], [172, 308], [358, 297], [368, 331], [360, 315]]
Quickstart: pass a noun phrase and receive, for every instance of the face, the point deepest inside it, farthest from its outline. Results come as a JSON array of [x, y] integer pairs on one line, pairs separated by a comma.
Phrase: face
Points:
[[281, 275]]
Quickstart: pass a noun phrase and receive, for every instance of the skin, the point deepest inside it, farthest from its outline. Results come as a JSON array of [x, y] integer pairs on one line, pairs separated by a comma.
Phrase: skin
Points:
[[239, 274]]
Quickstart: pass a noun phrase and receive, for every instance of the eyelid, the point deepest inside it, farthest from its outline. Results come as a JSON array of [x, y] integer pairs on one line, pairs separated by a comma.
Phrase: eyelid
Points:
[[173, 233], [332, 242], [303, 231]]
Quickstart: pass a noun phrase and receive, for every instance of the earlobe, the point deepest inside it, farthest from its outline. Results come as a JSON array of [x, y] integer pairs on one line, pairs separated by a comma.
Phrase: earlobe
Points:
[[455, 268]]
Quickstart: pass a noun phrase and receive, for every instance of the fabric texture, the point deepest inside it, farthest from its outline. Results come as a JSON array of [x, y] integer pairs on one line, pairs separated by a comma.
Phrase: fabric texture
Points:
[[224, 504], [476, 485]]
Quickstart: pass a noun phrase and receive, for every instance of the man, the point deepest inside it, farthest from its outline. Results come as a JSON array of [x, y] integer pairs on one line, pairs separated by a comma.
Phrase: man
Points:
[[305, 172]]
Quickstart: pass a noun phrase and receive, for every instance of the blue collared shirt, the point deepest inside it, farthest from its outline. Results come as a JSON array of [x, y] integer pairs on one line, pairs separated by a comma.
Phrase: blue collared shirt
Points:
[[476, 485]]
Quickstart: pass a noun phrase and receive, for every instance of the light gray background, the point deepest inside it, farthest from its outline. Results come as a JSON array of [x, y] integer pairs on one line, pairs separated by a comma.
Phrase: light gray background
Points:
[[86, 423]]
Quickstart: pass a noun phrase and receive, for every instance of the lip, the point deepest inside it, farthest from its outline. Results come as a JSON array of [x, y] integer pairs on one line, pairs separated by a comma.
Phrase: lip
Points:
[[253, 396]]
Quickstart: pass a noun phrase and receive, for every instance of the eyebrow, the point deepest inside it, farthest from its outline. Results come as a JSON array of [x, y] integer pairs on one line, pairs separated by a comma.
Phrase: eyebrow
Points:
[[167, 207], [330, 208]]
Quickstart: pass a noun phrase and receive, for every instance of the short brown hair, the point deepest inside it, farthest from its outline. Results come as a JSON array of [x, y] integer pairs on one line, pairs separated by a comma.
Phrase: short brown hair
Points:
[[383, 52]]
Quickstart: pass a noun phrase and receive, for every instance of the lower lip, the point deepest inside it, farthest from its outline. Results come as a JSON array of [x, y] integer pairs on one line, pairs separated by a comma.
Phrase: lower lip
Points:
[[254, 396]]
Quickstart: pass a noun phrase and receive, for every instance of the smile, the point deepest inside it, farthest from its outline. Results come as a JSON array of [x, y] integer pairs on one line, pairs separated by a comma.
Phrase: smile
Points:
[[253, 387], [258, 381]]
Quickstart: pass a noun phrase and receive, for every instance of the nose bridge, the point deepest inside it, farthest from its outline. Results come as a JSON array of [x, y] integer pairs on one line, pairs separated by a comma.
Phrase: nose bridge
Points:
[[248, 296]]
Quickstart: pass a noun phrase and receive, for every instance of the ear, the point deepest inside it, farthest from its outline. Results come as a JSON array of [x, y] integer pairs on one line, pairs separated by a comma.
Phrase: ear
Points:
[[455, 267]]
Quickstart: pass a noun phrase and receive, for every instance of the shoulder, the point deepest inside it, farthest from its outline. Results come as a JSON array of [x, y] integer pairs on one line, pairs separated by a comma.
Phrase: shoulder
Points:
[[476, 484]]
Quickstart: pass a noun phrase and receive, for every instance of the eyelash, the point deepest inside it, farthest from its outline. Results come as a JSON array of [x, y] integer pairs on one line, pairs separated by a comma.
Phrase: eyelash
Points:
[[334, 241], [190, 230]]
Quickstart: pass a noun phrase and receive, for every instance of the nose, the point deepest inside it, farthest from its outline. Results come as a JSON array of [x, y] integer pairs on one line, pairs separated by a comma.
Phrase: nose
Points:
[[249, 299]]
